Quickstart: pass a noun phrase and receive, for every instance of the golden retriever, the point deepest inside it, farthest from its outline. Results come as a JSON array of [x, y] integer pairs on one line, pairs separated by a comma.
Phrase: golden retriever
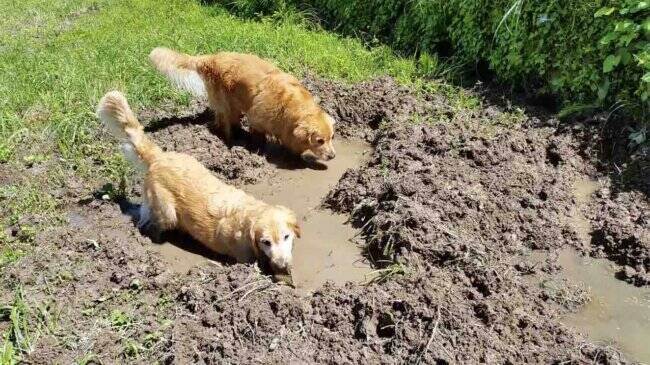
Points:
[[275, 102], [180, 193]]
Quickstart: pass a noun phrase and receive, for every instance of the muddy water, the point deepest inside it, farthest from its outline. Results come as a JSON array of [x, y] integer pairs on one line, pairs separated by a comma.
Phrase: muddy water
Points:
[[324, 253], [618, 312], [582, 191]]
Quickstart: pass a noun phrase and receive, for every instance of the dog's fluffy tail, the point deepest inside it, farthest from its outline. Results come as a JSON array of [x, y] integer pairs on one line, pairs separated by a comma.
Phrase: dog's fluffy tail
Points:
[[180, 69], [115, 113]]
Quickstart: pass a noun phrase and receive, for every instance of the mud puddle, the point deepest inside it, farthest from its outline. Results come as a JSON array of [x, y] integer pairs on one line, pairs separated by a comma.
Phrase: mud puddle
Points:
[[326, 251], [582, 191], [618, 312]]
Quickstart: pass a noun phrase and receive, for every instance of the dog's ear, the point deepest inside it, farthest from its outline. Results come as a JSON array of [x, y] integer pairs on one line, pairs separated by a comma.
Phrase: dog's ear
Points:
[[296, 229], [253, 238], [293, 223], [302, 133]]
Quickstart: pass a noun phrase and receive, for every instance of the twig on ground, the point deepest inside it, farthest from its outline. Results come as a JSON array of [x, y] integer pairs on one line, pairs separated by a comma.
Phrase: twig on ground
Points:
[[434, 331]]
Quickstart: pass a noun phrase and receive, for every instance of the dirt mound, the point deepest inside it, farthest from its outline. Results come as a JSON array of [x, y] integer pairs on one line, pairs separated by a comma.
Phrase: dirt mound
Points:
[[191, 135], [447, 193], [361, 108]]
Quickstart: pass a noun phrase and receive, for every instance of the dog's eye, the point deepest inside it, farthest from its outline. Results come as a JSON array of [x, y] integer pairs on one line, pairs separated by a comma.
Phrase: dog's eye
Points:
[[320, 141], [265, 242], [286, 237]]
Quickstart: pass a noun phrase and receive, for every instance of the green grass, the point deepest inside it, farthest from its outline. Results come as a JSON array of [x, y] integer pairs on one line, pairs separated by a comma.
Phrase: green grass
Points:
[[27, 321], [59, 58]]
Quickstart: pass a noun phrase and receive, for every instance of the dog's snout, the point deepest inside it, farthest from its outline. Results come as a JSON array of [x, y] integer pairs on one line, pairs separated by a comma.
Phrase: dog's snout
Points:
[[283, 269], [330, 156]]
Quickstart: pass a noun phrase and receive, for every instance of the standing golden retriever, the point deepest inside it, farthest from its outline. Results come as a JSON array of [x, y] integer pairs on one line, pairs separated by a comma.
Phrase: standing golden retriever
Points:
[[275, 102], [181, 193]]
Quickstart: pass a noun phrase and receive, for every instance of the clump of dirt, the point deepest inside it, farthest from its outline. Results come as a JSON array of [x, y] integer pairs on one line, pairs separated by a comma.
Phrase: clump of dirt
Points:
[[191, 135], [622, 232], [360, 109], [452, 204]]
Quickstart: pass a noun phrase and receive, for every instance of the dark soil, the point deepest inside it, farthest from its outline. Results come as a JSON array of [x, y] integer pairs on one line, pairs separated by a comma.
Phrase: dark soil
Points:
[[456, 203], [621, 225]]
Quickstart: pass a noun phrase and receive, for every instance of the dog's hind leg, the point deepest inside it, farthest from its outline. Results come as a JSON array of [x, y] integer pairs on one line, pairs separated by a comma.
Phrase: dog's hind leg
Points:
[[158, 214], [257, 140], [226, 118]]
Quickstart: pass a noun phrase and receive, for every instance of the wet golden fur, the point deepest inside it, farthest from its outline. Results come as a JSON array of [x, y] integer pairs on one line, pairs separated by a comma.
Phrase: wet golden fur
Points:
[[180, 193], [275, 102]]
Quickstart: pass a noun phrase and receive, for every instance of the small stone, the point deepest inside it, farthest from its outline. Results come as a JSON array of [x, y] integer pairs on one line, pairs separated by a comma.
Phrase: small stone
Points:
[[116, 277], [135, 284], [92, 244], [275, 342], [106, 197], [629, 271]]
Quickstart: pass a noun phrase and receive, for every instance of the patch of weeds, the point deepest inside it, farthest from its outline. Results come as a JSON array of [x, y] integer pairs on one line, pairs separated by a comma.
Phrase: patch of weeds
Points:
[[110, 192], [384, 167], [558, 292], [6, 151], [458, 98], [132, 348], [26, 324], [164, 302], [152, 339], [10, 251], [8, 145], [385, 274], [510, 119], [65, 276], [35, 159], [119, 319], [19, 200], [88, 359], [27, 233]]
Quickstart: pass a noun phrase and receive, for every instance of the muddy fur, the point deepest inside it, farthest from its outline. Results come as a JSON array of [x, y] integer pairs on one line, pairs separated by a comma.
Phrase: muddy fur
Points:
[[458, 201]]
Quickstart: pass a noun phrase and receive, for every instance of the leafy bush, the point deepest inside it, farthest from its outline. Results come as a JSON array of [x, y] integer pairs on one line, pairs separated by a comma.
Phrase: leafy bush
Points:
[[583, 51]]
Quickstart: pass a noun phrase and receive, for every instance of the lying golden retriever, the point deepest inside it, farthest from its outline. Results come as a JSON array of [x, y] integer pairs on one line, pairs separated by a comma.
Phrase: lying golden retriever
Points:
[[275, 102], [180, 193]]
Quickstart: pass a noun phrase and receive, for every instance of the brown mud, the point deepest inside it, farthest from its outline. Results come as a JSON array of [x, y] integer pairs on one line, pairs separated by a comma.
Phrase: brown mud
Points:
[[453, 203]]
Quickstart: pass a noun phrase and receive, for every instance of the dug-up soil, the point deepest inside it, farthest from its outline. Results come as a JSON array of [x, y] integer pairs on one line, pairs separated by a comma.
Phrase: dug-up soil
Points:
[[449, 200]]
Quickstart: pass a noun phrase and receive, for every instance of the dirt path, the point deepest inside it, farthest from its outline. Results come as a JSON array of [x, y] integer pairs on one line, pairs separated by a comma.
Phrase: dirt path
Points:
[[454, 202]]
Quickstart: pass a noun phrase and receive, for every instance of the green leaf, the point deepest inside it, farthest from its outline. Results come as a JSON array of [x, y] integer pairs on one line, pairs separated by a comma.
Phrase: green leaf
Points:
[[623, 26], [603, 89], [646, 77], [610, 62], [604, 11], [645, 26], [626, 56], [643, 59], [608, 38], [626, 39], [641, 5]]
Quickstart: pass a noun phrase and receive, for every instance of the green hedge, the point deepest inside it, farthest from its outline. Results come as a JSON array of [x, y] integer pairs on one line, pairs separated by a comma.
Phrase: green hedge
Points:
[[595, 52]]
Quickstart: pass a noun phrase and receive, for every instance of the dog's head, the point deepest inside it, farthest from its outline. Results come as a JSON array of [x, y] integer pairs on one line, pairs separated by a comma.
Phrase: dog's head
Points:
[[315, 133], [272, 236]]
